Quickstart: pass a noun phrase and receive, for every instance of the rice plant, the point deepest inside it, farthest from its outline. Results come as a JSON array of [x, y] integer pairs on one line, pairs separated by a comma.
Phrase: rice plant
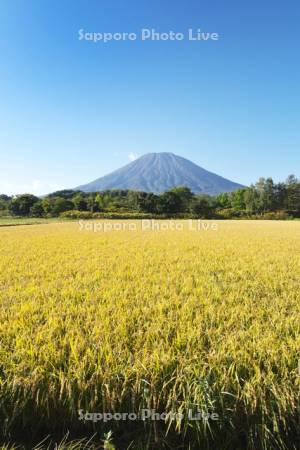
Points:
[[173, 321]]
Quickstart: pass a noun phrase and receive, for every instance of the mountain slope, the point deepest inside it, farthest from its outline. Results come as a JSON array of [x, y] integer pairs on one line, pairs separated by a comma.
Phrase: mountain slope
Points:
[[158, 172]]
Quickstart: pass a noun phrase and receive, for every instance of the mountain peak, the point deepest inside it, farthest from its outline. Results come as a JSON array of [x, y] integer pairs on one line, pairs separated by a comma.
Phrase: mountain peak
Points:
[[158, 172]]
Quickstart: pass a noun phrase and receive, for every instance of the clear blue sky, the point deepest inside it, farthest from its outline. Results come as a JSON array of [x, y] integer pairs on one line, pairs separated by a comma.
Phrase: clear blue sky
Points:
[[72, 111]]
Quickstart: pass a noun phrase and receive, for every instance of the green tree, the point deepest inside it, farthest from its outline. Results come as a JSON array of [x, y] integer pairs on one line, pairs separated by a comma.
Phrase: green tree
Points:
[[47, 205], [5, 198], [21, 204], [238, 199], [61, 205], [3, 205], [293, 194], [80, 202], [148, 202], [201, 207], [37, 209], [280, 194], [266, 193], [252, 200], [169, 203], [91, 203], [104, 201], [223, 200], [185, 197]]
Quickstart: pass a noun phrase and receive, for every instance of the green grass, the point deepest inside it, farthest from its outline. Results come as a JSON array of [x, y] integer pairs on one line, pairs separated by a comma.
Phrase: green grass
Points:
[[15, 221]]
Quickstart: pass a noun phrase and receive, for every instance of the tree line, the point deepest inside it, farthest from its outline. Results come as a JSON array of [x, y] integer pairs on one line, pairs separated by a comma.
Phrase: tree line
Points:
[[264, 199]]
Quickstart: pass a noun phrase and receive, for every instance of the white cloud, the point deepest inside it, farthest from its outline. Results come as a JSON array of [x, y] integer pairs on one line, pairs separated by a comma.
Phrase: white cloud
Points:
[[36, 187], [132, 156]]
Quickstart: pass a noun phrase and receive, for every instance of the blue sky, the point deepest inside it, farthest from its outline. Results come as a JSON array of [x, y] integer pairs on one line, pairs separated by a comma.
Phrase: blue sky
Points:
[[72, 111]]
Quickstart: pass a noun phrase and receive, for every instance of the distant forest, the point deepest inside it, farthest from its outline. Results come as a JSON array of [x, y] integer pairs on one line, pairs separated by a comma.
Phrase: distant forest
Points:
[[265, 199]]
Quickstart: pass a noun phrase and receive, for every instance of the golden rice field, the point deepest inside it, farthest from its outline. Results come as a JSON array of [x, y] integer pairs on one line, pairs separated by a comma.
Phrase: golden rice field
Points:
[[119, 321]]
